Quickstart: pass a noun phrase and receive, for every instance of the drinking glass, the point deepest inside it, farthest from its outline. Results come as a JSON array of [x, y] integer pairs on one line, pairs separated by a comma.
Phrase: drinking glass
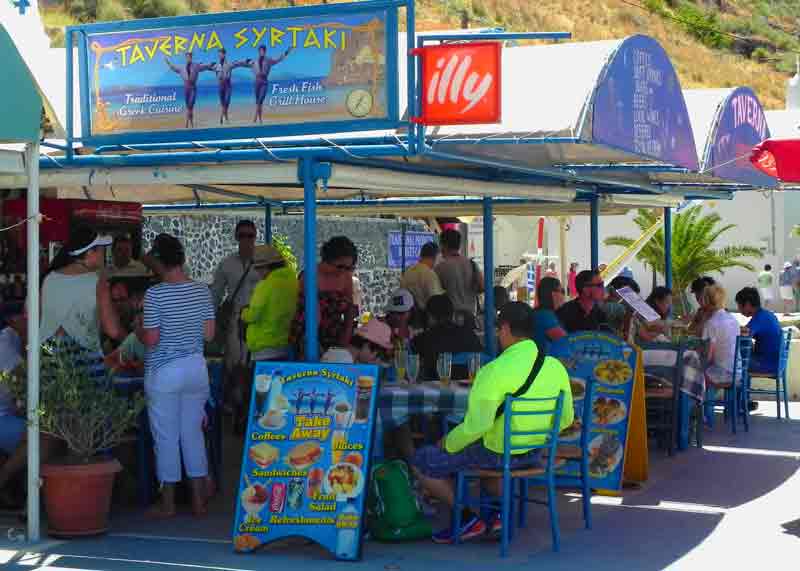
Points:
[[444, 367], [474, 364], [400, 358], [412, 367]]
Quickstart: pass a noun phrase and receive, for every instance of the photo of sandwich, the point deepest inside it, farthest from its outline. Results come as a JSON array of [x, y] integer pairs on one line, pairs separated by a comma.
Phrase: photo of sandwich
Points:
[[304, 455], [245, 542], [263, 454]]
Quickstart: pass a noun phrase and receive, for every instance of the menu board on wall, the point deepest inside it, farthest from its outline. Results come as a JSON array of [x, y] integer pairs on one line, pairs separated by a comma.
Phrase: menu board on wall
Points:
[[601, 373], [306, 456]]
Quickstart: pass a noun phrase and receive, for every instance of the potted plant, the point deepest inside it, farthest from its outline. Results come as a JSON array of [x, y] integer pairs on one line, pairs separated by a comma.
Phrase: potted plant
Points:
[[91, 419]]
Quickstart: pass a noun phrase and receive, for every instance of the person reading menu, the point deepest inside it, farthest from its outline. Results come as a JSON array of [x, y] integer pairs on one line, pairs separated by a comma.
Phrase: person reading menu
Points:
[[477, 443]]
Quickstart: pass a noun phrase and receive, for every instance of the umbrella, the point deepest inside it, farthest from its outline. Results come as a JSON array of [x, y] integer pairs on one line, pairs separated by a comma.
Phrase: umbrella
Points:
[[779, 158]]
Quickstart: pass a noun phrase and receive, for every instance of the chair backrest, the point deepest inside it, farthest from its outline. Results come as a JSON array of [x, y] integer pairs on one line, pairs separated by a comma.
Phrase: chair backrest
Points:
[[461, 358], [786, 344], [551, 407], [744, 351]]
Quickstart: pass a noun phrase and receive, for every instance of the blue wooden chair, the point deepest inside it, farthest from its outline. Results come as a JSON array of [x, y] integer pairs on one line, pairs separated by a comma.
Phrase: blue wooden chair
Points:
[[736, 396], [515, 408], [569, 456], [781, 377]]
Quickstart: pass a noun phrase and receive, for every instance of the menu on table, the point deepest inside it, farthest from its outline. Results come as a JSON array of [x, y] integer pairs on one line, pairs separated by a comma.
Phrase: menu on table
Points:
[[601, 371], [306, 456]]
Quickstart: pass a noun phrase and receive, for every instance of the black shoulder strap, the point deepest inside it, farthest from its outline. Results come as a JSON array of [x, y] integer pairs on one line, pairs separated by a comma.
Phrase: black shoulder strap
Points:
[[241, 281], [537, 366]]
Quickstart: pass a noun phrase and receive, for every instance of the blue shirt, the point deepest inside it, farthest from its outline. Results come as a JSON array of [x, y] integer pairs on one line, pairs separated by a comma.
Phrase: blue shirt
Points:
[[179, 311], [543, 321], [767, 332]]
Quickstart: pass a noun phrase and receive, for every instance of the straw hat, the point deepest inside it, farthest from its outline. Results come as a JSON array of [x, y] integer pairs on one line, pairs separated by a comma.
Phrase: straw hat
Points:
[[266, 255], [377, 332]]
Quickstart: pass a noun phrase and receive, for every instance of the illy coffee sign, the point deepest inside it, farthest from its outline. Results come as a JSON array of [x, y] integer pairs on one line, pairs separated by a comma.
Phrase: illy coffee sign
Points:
[[460, 83]]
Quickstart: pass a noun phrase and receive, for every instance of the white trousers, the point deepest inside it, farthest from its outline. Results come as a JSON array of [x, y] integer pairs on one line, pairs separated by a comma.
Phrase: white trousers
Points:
[[176, 396]]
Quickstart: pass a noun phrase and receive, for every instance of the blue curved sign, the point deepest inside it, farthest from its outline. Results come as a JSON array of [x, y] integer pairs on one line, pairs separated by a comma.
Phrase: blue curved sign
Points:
[[639, 106], [739, 125]]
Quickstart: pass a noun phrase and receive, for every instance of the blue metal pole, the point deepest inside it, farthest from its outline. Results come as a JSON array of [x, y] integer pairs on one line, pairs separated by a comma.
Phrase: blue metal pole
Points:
[[68, 42], [594, 234], [310, 258], [488, 277], [668, 247], [268, 224]]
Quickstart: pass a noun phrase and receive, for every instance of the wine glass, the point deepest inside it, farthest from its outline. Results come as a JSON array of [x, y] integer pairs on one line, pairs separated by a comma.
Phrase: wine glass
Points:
[[444, 368], [474, 364], [412, 367]]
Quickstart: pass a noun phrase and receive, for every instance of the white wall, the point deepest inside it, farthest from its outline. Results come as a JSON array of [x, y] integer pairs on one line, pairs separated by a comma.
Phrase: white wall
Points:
[[749, 211]]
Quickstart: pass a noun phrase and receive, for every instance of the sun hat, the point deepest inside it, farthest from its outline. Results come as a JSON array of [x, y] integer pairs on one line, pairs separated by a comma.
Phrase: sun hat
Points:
[[377, 332], [400, 301], [266, 255], [84, 239], [787, 265]]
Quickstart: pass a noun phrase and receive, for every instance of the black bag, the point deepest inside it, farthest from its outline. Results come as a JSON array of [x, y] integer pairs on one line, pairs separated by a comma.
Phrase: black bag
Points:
[[537, 366], [225, 313]]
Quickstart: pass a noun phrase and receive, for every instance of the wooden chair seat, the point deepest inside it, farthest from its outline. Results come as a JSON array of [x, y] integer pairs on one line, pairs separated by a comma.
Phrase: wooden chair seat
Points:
[[660, 393], [772, 376], [522, 473], [565, 452]]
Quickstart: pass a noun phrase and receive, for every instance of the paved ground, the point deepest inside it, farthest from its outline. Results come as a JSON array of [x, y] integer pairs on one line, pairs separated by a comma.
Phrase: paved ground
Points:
[[735, 503]]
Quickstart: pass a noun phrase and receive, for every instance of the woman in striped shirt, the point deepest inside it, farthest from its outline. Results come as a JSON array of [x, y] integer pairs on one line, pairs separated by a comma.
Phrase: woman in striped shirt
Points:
[[178, 317]]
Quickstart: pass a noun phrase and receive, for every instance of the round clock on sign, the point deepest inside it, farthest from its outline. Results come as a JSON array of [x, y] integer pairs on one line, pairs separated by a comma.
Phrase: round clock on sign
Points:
[[359, 102]]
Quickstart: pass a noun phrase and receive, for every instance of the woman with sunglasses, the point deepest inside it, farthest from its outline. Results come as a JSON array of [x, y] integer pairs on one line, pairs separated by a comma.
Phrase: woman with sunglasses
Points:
[[546, 327], [337, 312]]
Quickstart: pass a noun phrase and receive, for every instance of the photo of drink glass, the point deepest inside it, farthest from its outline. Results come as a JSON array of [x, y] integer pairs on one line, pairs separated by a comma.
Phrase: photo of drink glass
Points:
[[400, 354], [364, 386], [262, 383], [338, 442], [343, 414], [444, 368], [412, 367]]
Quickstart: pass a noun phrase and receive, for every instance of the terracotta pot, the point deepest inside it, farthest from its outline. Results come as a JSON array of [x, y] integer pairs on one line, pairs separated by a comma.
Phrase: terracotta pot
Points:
[[77, 497]]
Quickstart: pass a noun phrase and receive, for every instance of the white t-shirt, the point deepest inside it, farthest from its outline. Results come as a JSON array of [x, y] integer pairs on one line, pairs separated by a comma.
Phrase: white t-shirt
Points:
[[70, 302], [10, 356], [722, 329]]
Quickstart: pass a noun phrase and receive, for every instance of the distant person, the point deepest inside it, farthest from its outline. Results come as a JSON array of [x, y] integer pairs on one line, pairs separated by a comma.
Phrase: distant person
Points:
[[583, 313], [786, 286], [422, 282], [700, 316], [261, 67], [460, 277], [721, 330], [224, 70], [796, 284], [551, 271], [546, 327], [660, 299], [765, 330], [617, 314], [398, 315], [573, 273], [766, 285], [190, 73], [122, 255], [443, 336]]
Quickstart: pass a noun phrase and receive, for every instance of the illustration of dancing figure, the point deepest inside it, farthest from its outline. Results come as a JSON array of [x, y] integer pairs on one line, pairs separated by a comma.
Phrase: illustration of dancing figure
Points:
[[261, 68], [189, 74], [224, 69]]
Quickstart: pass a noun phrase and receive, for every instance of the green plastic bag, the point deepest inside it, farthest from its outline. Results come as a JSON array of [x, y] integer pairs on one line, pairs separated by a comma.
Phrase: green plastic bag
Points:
[[393, 513]]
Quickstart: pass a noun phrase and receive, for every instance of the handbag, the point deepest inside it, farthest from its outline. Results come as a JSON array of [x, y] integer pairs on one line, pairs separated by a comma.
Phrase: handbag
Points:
[[225, 312], [537, 366]]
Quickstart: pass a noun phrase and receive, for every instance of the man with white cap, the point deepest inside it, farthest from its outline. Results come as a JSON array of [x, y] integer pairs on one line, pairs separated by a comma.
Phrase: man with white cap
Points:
[[398, 314]]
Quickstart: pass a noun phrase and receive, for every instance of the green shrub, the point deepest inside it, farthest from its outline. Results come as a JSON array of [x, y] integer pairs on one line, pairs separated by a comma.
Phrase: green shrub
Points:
[[157, 8], [761, 54], [111, 11]]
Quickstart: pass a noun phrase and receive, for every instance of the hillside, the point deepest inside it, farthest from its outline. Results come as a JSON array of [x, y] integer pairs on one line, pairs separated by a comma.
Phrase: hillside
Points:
[[712, 43]]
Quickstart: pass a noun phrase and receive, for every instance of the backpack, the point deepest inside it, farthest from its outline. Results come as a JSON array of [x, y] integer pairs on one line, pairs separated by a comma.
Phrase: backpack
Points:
[[393, 512]]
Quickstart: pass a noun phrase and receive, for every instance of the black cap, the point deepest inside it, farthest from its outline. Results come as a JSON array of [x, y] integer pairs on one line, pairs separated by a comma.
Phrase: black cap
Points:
[[519, 317]]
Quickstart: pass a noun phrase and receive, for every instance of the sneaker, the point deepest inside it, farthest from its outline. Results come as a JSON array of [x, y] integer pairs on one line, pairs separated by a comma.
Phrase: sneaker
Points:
[[475, 527], [752, 405], [495, 525]]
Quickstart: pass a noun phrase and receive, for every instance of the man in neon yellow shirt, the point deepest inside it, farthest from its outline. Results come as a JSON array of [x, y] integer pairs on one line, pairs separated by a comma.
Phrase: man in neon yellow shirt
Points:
[[272, 306], [477, 443]]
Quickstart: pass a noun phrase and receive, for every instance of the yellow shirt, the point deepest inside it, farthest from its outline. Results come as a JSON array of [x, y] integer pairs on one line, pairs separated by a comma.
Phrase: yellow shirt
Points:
[[271, 310], [504, 376], [422, 282]]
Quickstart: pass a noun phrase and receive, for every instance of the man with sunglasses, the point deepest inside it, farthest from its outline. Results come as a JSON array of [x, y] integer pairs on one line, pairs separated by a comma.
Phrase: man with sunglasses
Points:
[[236, 278], [583, 313]]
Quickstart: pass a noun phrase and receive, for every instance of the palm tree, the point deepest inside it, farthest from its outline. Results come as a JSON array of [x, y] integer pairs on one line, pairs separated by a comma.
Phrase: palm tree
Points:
[[693, 251]]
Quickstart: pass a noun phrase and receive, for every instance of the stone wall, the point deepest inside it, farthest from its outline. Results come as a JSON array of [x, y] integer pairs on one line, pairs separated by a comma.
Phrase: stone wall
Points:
[[210, 237]]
